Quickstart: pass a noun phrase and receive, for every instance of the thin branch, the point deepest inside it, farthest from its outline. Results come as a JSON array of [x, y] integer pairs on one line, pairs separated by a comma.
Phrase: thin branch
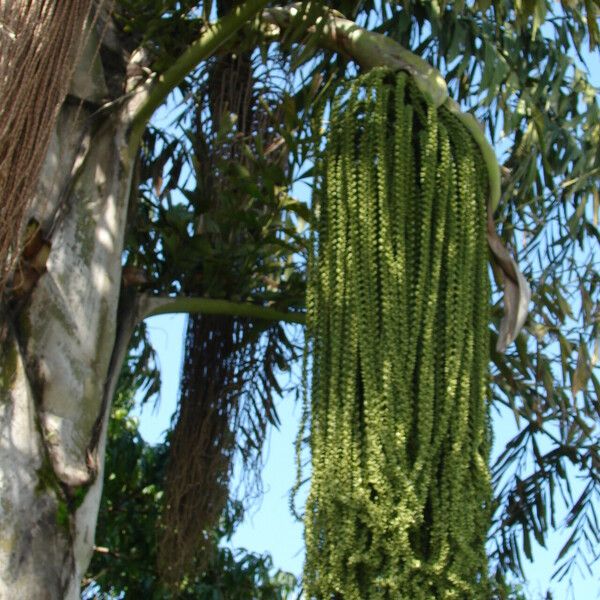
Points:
[[150, 306]]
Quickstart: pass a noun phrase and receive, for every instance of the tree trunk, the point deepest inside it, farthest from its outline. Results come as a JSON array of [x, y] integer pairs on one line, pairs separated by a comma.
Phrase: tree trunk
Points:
[[60, 357]]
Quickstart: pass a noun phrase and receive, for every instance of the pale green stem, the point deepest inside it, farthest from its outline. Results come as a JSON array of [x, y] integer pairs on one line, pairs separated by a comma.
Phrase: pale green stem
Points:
[[367, 48], [489, 156], [150, 306]]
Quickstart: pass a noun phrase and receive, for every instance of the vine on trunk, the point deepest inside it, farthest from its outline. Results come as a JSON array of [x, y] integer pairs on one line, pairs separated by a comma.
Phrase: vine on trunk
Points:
[[397, 320]]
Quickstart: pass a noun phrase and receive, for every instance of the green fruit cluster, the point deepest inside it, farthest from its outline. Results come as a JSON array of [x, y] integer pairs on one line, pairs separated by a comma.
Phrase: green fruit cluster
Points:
[[397, 321]]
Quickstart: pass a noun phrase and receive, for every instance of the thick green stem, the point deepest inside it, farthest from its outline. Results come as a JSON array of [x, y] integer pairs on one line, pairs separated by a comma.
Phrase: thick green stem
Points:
[[150, 306], [367, 48], [210, 41]]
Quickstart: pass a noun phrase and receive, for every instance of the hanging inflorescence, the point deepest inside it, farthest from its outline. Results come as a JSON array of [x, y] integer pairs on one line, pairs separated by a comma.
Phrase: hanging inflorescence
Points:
[[397, 321]]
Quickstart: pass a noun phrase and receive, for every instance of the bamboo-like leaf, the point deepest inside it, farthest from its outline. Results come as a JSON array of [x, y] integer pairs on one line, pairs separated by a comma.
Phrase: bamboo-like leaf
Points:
[[582, 371]]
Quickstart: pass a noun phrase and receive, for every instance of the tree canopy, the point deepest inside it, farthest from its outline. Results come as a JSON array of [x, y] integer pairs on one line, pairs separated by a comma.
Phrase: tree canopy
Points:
[[521, 70], [240, 95]]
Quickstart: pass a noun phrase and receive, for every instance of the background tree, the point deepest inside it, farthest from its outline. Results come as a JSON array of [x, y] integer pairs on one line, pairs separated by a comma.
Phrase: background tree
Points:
[[516, 66]]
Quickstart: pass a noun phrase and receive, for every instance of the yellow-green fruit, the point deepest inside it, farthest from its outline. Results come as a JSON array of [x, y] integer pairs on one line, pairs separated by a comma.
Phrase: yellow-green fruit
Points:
[[397, 323]]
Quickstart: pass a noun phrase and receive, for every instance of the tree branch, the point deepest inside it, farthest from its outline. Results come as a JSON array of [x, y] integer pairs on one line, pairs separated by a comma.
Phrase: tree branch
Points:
[[335, 32], [210, 41], [367, 48], [150, 306]]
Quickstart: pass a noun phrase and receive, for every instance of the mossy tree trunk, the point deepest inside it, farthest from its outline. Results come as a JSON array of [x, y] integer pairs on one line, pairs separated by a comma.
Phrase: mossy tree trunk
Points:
[[59, 335]]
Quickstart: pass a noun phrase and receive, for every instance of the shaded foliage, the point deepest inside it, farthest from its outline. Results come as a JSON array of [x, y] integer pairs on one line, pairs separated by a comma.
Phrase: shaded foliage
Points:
[[219, 226]]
